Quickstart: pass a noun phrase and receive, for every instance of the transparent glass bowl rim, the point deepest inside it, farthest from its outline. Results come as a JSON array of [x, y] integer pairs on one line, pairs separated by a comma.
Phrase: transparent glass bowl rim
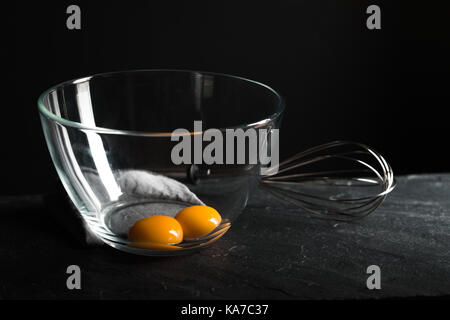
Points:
[[68, 123]]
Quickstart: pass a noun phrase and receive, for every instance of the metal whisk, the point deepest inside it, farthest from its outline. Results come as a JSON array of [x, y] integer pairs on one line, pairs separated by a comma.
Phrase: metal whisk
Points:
[[340, 180]]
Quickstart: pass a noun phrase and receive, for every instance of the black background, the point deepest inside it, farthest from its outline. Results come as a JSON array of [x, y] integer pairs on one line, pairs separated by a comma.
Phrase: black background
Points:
[[387, 88]]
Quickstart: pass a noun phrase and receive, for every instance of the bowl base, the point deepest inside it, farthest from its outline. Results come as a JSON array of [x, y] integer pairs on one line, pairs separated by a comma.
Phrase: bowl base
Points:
[[116, 219]]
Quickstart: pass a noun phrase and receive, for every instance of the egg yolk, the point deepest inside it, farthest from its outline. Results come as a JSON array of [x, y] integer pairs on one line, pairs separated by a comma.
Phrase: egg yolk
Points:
[[156, 230], [197, 221]]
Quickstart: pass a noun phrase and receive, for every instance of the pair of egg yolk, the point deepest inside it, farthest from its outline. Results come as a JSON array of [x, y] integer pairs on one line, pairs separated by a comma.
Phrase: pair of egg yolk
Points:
[[164, 232]]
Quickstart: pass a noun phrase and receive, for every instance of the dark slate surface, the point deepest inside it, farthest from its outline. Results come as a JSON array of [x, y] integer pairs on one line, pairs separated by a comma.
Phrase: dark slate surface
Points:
[[273, 251]]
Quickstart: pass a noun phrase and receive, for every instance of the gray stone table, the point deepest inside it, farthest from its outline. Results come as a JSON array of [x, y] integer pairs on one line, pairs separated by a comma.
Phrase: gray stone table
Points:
[[273, 251]]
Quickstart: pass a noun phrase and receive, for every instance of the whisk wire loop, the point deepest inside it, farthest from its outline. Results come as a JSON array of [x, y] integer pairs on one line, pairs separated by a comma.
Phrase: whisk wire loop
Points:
[[325, 170]]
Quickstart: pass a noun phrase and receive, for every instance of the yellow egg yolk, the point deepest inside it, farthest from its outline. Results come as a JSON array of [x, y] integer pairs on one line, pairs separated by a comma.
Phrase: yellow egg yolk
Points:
[[197, 221], [156, 230]]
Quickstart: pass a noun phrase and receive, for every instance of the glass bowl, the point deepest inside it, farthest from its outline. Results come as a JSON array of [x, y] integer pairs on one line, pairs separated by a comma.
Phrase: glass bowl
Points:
[[112, 138]]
